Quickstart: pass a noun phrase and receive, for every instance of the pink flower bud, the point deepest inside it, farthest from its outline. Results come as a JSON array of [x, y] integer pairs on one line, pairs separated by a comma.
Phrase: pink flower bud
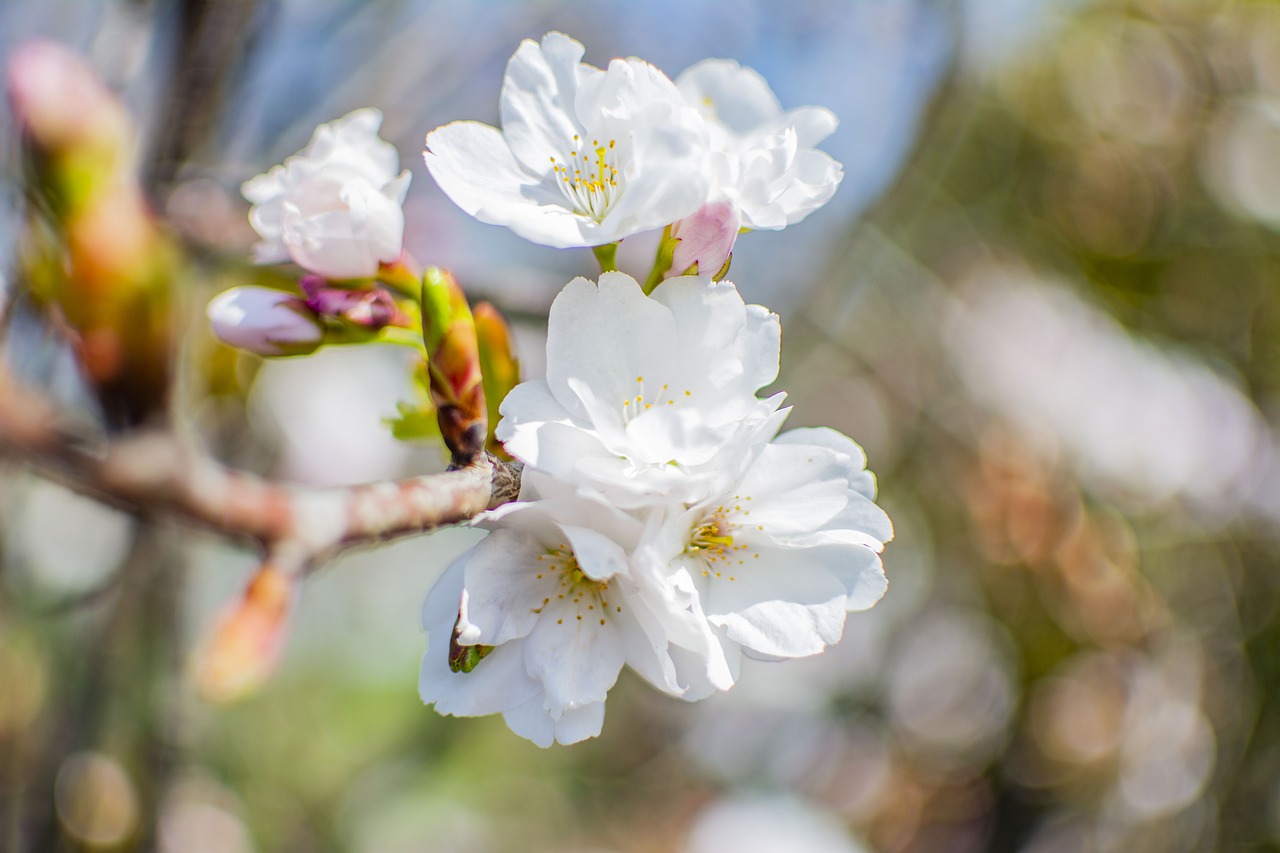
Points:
[[372, 308], [705, 239], [264, 321]]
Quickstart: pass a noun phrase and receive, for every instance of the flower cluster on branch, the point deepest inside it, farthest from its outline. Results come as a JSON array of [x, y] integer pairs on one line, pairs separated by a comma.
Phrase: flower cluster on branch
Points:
[[664, 521]]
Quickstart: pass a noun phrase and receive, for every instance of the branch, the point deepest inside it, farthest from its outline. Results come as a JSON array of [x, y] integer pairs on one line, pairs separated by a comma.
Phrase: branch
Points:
[[152, 471]]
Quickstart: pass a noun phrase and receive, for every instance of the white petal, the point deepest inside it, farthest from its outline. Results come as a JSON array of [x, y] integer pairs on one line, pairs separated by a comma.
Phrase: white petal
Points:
[[861, 480], [350, 242], [607, 337], [666, 434], [786, 603], [793, 489], [503, 586], [498, 682], [761, 343], [558, 448], [738, 97], [531, 721], [861, 523], [665, 181], [578, 724], [474, 166], [829, 438], [863, 577], [786, 629], [530, 402], [537, 100], [599, 557], [398, 188], [318, 205], [695, 647], [576, 662], [709, 317], [812, 124], [812, 181]]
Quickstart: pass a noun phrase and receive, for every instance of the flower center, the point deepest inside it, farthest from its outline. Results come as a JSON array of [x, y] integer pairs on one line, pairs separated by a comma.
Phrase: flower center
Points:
[[711, 543], [643, 401], [576, 596], [589, 178]]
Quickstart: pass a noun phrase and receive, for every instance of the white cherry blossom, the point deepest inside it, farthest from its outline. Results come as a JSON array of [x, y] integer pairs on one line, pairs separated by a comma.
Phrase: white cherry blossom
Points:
[[779, 558], [550, 609], [763, 159], [333, 208], [648, 397], [585, 156]]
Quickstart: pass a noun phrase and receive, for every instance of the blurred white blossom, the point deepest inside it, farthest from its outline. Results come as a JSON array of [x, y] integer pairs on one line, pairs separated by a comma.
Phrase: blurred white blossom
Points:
[[768, 824], [1142, 422], [334, 208]]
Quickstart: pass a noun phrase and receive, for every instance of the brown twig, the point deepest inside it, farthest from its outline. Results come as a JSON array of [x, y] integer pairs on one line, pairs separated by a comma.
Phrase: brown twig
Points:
[[152, 471]]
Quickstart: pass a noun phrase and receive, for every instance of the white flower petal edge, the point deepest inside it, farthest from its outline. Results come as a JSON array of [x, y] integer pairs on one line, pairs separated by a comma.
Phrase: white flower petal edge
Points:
[[764, 159], [553, 596], [779, 558], [585, 157], [648, 397], [334, 208]]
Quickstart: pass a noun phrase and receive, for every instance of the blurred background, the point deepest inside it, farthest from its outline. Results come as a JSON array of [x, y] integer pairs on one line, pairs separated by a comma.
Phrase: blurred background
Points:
[[1045, 299]]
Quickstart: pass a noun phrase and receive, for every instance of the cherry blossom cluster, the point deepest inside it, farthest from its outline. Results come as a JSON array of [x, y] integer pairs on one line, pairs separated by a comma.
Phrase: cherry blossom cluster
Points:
[[664, 522]]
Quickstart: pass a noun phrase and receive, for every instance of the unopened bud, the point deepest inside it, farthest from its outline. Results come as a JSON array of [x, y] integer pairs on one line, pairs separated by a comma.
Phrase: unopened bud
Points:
[[449, 332], [264, 321], [248, 637], [60, 103], [498, 364], [705, 240], [371, 308]]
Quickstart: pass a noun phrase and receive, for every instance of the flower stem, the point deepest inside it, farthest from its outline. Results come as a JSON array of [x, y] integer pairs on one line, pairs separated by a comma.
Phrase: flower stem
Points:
[[607, 255], [662, 261]]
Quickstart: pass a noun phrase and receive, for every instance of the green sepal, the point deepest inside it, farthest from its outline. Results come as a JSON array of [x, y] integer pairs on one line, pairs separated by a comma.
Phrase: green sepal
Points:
[[724, 270], [465, 658]]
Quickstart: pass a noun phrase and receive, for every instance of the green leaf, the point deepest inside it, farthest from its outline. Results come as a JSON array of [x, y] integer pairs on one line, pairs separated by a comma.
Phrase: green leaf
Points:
[[414, 422]]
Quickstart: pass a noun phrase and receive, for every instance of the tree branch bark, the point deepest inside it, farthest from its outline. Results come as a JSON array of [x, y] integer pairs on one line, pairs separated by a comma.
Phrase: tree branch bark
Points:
[[153, 471]]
